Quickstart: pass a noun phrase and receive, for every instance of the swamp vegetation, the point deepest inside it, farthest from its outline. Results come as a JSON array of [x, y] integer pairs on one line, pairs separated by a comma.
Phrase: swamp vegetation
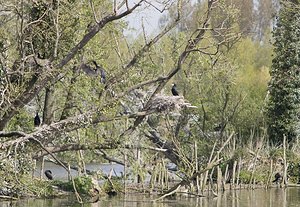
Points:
[[80, 85]]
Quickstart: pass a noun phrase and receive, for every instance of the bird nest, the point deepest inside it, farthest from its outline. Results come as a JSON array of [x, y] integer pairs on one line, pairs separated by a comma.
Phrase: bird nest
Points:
[[162, 103]]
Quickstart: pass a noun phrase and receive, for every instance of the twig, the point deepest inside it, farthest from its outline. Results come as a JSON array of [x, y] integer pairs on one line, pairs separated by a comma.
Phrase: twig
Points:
[[57, 29], [94, 13]]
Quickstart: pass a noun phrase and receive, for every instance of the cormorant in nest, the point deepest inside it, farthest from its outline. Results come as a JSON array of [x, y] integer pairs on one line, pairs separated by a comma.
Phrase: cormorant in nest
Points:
[[174, 90], [37, 120]]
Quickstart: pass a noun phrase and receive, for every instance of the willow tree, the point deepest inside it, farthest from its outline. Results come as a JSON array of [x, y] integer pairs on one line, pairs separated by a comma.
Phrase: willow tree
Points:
[[283, 106]]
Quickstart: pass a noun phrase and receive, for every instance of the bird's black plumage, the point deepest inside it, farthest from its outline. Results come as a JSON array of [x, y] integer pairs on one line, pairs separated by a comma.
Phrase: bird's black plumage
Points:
[[37, 120], [48, 174], [95, 63], [112, 193], [174, 90], [278, 178]]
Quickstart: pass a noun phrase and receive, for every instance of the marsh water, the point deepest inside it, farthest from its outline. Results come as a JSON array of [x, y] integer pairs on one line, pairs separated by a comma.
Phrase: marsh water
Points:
[[275, 197], [59, 173]]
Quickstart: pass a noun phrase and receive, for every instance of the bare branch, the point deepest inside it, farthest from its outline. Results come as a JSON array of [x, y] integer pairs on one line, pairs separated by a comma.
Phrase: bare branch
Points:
[[167, 5], [12, 134], [139, 54], [94, 13], [47, 133], [57, 29]]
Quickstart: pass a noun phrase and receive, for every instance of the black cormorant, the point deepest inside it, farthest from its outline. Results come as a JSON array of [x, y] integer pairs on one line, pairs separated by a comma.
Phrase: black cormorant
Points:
[[112, 193], [278, 178], [37, 120], [174, 90], [48, 174]]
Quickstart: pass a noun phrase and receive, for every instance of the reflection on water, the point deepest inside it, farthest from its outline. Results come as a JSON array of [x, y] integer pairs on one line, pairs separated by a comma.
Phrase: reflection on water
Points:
[[275, 197]]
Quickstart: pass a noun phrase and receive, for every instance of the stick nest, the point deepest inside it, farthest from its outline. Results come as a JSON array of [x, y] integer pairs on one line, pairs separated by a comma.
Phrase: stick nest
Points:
[[162, 103]]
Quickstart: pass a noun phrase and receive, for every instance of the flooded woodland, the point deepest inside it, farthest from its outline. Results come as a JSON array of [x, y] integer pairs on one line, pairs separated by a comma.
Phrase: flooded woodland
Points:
[[149, 103]]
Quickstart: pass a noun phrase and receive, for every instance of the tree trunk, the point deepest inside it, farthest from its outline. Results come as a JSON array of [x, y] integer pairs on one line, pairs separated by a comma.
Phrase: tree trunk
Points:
[[48, 105]]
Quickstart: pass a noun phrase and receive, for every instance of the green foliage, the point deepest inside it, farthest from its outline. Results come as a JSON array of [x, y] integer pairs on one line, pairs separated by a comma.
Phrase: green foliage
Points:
[[283, 106], [116, 185], [294, 171], [22, 121], [240, 153], [276, 153], [250, 83], [83, 185], [139, 170], [40, 188], [16, 177], [245, 177]]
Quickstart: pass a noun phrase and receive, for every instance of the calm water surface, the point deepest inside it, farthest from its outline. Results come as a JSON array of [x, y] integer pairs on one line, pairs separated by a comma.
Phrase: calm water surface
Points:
[[59, 173], [275, 197]]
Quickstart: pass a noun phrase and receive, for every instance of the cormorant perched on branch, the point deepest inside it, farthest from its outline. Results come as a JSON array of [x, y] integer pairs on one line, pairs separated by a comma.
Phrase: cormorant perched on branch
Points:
[[278, 178], [37, 120], [102, 72], [174, 90], [48, 174]]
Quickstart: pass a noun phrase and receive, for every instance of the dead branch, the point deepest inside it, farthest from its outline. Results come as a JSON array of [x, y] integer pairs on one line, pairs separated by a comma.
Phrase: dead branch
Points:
[[52, 155], [12, 134], [46, 133], [170, 153], [107, 157]]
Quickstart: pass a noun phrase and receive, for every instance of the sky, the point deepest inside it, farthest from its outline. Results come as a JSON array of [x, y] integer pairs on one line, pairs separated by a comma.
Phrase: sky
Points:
[[147, 15]]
